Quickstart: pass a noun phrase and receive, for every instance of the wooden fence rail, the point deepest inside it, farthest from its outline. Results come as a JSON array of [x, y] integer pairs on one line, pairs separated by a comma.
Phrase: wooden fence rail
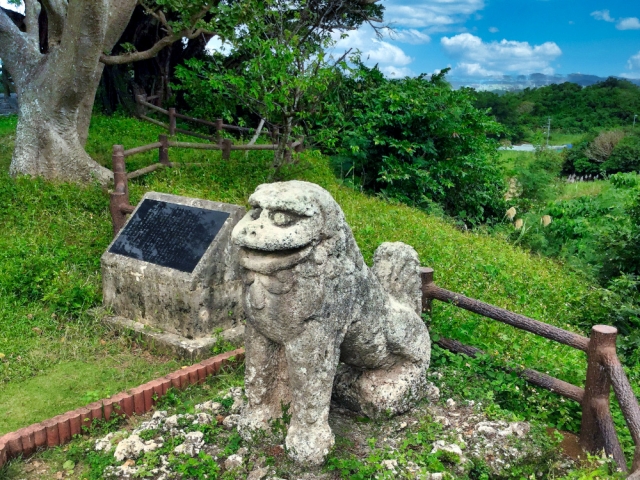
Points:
[[604, 370], [173, 115]]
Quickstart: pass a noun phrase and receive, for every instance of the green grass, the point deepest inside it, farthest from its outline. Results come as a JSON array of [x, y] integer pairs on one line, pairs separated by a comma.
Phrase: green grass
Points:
[[66, 385], [558, 138], [583, 189], [47, 463], [53, 236], [509, 158]]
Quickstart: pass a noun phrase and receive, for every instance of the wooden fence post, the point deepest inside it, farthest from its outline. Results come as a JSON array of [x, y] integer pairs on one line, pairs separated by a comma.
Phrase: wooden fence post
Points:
[[426, 275], [287, 154], [226, 149], [119, 198], [163, 150], [597, 431], [219, 131], [172, 122], [627, 400], [140, 109]]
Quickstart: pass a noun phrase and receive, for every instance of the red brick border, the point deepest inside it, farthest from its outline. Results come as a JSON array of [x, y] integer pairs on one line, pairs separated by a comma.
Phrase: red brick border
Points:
[[136, 401]]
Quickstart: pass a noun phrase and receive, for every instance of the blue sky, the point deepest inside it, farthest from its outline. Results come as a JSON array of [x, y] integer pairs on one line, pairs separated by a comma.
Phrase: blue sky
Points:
[[484, 39], [491, 38]]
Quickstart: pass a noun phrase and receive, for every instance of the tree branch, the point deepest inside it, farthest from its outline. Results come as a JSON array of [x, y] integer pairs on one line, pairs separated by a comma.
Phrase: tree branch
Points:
[[138, 56], [16, 51], [31, 15], [56, 16], [164, 42], [120, 12], [79, 50]]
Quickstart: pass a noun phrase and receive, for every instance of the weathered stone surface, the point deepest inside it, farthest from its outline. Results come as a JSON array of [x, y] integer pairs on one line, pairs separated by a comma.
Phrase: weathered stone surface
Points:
[[258, 473], [311, 302], [133, 446], [104, 443], [209, 406], [234, 461], [191, 305], [193, 443], [170, 343]]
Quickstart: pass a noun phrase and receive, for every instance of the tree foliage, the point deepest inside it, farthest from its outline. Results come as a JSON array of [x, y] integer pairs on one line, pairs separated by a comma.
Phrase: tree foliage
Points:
[[573, 109], [278, 68], [416, 140]]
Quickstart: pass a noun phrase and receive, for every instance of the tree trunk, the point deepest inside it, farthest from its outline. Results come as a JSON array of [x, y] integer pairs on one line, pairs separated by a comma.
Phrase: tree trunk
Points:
[[86, 107], [56, 85], [280, 154], [48, 139]]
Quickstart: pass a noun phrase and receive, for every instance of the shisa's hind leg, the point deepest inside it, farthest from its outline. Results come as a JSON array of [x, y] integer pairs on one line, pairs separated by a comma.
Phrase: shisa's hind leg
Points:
[[391, 381], [265, 382], [383, 392], [312, 358]]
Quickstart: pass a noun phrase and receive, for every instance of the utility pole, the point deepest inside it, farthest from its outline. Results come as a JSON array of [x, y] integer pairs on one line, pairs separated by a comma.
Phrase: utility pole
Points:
[[548, 131]]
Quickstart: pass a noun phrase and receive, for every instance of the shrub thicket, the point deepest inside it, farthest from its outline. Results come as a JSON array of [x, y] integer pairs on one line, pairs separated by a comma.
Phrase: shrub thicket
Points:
[[418, 141], [605, 153]]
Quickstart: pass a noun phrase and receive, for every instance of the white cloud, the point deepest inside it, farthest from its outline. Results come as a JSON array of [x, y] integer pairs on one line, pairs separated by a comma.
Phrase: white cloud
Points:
[[397, 72], [474, 70], [634, 62], [392, 59], [602, 15], [497, 58], [432, 14], [387, 54], [631, 23], [217, 45], [494, 30], [412, 36]]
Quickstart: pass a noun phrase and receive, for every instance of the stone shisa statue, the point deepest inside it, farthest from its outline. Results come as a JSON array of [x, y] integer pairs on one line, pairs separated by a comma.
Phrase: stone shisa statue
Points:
[[320, 322]]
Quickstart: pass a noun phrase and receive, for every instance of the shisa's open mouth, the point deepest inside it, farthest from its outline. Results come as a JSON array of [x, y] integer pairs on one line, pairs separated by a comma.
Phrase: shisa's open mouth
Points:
[[268, 262]]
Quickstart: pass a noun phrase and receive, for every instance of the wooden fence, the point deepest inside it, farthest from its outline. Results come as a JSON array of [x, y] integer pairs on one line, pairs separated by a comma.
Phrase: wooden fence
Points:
[[119, 202], [604, 371], [173, 115]]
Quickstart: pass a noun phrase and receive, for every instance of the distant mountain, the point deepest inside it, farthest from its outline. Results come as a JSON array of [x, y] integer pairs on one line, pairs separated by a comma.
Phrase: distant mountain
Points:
[[520, 82]]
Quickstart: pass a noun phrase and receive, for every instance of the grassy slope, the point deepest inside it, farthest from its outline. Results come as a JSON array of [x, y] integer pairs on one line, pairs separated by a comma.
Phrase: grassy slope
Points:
[[61, 231]]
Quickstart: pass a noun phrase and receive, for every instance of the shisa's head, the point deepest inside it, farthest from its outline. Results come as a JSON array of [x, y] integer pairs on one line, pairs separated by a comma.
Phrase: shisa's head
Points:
[[286, 221]]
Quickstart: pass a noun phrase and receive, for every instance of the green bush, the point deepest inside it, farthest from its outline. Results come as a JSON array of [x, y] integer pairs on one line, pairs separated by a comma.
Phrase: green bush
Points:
[[625, 156], [573, 109], [576, 161], [419, 141], [536, 177]]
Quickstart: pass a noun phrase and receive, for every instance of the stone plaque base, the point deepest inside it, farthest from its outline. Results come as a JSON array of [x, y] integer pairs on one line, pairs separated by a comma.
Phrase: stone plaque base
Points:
[[175, 345]]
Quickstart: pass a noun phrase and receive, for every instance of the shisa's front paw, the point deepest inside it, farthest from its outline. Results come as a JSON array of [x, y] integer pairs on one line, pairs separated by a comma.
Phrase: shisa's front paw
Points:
[[309, 444]]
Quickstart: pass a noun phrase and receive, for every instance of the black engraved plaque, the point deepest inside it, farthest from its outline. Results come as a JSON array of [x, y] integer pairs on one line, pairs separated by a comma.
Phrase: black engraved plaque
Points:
[[168, 234]]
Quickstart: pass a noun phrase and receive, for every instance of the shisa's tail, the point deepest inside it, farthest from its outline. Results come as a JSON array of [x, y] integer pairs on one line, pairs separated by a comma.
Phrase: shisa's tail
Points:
[[397, 267]]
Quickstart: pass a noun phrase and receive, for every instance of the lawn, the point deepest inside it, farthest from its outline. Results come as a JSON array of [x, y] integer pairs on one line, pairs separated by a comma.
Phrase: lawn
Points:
[[55, 356]]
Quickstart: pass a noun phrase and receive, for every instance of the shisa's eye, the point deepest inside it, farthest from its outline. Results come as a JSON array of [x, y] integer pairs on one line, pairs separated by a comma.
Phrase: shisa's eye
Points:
[[282, 219], [254, 213]]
